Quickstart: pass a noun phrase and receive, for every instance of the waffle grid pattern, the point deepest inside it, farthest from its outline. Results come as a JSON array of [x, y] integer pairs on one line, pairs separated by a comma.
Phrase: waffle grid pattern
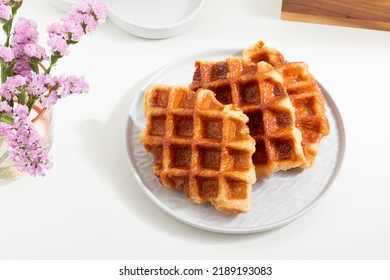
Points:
[[304, 93], [257, 90], [200, 146]]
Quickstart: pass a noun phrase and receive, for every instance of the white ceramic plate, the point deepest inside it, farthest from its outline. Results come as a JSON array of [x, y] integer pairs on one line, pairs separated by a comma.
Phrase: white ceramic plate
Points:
[[153, 19], [276, 201]]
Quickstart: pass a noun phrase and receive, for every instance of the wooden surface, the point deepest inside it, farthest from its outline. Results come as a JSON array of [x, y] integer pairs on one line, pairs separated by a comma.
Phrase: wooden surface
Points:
[[374, 14]]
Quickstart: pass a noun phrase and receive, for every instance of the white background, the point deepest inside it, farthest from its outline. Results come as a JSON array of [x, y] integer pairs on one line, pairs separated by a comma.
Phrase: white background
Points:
[[89, 205]]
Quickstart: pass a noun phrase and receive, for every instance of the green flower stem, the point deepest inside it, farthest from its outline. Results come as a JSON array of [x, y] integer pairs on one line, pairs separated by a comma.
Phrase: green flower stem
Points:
[[49, 69], [3, 74], [30, 103], [53, 60], [7, 27], [6, 71], [6, 118], [22, 96], [34, 67]]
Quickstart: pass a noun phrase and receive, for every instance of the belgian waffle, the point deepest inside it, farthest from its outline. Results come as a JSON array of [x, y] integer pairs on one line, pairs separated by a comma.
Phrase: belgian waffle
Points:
[[257, 89], [304, 93], [200, 146]]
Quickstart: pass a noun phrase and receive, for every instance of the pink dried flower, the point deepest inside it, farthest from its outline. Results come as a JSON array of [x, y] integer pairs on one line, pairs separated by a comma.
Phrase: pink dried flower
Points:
[[25, 32], [58, 44], [6, 54], [57, 87], [35, 51], [22, 68], [12, 87], [22, 85], [38, 85], [73, 85], [5, 13], [4, 107], [25, 146], [83, 19], [25, 46]]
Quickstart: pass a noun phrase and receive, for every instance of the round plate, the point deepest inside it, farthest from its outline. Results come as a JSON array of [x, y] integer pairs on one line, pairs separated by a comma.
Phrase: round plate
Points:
[[275, 202], [152, 19]]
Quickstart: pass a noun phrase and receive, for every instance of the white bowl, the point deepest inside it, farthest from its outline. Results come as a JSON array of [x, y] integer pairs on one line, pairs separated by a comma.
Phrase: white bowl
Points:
[[153, 19]]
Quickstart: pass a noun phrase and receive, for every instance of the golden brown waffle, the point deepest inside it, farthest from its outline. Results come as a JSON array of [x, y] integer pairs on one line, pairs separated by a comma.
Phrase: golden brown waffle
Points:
[[257, 89], [200, 146], [304, 93]]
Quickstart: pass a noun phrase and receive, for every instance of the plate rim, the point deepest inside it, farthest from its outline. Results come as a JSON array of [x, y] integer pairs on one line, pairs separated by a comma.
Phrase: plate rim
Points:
[[217, 229]]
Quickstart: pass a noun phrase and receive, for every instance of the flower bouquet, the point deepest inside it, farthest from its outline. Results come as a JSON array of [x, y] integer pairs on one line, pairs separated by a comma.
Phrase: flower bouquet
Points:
[[28, 89]]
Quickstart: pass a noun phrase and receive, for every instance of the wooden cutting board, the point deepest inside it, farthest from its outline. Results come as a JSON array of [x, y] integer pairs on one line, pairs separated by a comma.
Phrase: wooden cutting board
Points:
[[373, 14]]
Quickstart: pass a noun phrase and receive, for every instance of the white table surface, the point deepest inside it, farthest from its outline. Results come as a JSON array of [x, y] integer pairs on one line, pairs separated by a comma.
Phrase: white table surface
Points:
[[89, 205]]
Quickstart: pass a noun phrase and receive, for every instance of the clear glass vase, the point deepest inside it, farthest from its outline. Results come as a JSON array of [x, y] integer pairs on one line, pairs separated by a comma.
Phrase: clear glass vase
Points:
[[42, 119]]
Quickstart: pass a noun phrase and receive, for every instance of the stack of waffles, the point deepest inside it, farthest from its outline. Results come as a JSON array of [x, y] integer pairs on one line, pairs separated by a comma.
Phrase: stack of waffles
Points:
[[239, 118]]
